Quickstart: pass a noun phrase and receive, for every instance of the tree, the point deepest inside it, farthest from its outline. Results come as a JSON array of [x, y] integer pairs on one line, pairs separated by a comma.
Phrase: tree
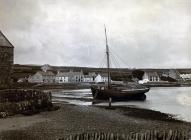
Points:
[[138, 74]]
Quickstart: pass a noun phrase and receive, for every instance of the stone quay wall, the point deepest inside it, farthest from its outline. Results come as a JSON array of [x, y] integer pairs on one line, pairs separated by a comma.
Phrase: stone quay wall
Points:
[[22, 101]]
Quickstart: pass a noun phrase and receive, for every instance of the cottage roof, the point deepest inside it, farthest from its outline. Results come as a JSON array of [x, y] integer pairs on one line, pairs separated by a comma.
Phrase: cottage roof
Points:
[[92, 73], [87, 76], [4, 41], [47, 73], [70, 73], [103, 74], [152, 73], [62, 74]]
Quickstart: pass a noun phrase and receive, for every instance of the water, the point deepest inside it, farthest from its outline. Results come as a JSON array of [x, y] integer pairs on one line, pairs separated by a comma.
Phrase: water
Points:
[[172, 100]]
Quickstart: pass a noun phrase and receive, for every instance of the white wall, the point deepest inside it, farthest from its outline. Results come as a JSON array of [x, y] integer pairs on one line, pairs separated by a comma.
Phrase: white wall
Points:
[[99, 78], [88, 79], [62, 79]]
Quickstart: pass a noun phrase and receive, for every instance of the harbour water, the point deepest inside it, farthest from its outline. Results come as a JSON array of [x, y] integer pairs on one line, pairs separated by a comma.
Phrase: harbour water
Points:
[[171, 100]]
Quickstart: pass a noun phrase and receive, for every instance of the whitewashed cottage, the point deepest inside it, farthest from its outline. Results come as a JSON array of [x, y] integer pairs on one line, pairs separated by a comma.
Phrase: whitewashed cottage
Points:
[[76, 77], [69, 77], [151, 77], [101, 78], [88, 79], [62, 77]]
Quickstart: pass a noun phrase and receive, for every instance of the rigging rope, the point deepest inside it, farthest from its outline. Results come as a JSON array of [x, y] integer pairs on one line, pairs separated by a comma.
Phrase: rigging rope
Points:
[[118, 57]]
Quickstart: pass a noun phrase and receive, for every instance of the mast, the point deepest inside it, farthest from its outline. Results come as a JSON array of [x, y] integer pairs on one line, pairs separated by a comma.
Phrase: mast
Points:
[[108, 58]]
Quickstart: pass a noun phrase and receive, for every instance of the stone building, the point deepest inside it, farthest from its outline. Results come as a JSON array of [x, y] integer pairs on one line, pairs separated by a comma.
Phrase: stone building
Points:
[[172, 73], [42, 77], [6, 61], [76, 76], [151, 77]]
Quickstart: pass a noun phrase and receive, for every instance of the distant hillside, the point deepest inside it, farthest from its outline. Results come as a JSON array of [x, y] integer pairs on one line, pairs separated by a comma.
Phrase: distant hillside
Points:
[[21, 71], [184, 71]]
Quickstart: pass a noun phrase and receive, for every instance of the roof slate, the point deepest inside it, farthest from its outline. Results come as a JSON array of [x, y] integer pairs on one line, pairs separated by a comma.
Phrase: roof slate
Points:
[[4, 41], [48, 73], [152, 73], [67, 74]]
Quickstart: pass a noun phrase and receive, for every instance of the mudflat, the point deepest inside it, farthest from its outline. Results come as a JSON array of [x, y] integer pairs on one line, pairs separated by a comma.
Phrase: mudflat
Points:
[[72, 119]]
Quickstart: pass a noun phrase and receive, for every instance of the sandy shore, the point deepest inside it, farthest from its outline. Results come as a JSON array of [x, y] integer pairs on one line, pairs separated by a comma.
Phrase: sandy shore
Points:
[[71, 119]]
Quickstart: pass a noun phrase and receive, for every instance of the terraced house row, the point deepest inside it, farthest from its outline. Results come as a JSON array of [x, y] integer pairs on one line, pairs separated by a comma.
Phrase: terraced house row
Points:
[[47, 76]]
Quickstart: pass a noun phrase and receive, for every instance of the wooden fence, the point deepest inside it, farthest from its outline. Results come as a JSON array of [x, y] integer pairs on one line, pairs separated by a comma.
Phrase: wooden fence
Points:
[[148, 135]]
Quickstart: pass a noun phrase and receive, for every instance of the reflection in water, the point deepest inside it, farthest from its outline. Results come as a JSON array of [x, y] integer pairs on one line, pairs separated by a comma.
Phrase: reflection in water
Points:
[[172, 100], [77, 97], [184, 99]]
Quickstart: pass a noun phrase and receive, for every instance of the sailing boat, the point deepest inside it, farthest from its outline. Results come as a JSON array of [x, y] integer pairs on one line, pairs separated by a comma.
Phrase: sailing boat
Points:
[[129, 91]]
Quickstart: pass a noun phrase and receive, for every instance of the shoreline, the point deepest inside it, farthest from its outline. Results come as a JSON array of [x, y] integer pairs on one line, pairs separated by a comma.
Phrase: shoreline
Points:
[[73, 119], [142, 113], [76, 86]]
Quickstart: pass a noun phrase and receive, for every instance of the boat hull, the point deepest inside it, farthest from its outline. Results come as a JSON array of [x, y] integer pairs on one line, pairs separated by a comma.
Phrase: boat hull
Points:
[[129, 94]]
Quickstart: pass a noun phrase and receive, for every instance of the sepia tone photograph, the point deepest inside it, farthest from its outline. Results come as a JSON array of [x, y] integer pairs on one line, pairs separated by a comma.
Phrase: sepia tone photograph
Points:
[[95, 69]]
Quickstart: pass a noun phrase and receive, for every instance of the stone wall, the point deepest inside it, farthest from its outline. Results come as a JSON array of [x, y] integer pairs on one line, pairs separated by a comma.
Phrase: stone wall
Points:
[[23, 101], [6, 62]]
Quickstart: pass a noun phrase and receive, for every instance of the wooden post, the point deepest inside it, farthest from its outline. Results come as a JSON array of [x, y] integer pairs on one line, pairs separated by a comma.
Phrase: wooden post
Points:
[[110, 100]]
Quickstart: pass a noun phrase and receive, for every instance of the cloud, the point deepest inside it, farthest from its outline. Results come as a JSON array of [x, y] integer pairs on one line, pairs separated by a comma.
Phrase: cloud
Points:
[[144, 33]]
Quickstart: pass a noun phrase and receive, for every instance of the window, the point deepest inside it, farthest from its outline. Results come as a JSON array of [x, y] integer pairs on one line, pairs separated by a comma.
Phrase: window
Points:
[[150, 78]]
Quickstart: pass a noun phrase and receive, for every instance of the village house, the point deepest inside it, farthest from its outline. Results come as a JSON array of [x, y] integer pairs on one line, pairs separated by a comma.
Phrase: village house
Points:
[[88, 79], [74, 77], [186, 77], [151, 77], [102, 77], [172, 73], [62, 77], [6, 61], [69, 77], [42, 77]]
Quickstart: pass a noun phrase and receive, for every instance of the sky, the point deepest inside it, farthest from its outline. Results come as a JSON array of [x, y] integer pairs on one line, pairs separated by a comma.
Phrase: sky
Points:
[[141, 33]]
